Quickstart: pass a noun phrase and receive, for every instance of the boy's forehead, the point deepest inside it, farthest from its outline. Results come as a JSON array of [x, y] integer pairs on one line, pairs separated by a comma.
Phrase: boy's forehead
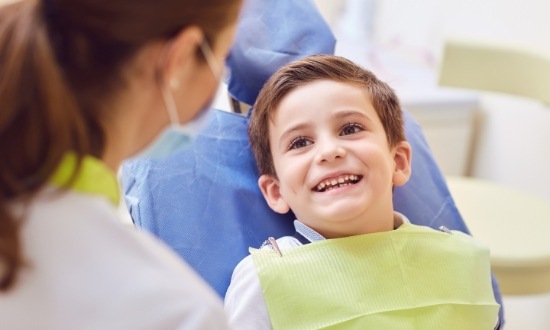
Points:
[[317, 103], [320, 92], [323, 84]]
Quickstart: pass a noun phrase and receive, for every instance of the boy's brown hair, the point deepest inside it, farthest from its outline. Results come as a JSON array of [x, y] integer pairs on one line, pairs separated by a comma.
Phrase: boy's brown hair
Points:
[[314, 68]]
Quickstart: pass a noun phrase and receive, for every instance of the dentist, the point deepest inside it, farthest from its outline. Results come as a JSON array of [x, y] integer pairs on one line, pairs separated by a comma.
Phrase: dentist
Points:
[[84, 85]]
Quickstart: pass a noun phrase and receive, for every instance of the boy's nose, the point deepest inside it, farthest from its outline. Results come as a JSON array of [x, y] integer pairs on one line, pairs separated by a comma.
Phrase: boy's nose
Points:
[[329, 150]]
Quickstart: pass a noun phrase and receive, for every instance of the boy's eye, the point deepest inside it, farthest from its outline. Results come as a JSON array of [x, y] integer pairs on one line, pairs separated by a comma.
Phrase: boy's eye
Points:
[[299, 142], [351, 128]]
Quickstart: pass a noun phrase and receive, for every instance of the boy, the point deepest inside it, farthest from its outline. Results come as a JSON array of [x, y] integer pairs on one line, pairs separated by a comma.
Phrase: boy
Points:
[[329, 143]]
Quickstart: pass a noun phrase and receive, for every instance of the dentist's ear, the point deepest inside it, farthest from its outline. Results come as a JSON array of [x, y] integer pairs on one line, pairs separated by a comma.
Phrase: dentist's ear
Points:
[[179, 56], [402, 159], [271, 190]]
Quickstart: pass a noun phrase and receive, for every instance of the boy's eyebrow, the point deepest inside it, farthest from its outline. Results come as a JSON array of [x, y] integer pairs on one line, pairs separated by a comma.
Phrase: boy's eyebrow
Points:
[[349, 113]]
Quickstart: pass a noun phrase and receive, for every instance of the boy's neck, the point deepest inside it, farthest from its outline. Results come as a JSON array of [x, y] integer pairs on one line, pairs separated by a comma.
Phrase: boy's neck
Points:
[[314, 236]]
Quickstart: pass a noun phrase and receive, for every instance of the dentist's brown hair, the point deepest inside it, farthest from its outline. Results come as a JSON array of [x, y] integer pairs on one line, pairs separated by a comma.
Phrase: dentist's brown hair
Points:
[[59, 61]]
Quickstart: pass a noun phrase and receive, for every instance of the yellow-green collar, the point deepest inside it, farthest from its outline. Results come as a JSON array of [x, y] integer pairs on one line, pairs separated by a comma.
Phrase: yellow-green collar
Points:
[[93, 178]]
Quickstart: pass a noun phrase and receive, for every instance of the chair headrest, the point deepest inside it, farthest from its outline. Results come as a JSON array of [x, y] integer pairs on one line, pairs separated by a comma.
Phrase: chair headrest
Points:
[[269, 35]]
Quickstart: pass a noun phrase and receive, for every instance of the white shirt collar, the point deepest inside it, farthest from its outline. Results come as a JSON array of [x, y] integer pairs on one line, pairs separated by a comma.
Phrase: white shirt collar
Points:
[[313, 236]]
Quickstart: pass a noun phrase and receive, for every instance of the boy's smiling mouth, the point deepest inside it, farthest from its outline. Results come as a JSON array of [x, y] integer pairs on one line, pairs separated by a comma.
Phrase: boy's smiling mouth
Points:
[[336, 182]]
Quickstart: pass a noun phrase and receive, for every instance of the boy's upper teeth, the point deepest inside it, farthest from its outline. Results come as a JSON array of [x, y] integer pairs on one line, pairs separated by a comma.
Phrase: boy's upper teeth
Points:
[[336, 182]]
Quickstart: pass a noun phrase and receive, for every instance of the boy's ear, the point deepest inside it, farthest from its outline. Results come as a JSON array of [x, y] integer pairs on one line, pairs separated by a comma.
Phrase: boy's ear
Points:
[[402, 159], [271, 190]]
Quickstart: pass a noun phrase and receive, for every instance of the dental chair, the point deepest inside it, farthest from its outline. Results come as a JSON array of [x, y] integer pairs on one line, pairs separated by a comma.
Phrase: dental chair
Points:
[[204, 201], [520, 254]]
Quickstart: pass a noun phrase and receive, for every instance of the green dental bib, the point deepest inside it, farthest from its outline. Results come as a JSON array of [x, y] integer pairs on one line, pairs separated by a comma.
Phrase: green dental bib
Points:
[[409, 278]]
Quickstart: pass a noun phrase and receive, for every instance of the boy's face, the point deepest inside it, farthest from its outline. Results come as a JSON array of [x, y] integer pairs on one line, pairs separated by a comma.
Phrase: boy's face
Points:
[[334, 165]]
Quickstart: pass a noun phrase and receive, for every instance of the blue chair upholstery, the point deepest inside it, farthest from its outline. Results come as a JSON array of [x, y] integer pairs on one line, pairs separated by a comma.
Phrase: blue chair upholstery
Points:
[[269, 35], [204, 201]]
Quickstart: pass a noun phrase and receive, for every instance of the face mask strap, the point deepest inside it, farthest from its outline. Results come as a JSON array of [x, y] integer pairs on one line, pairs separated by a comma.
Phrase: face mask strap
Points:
[[211, 59], [167, 97], [170, 105]]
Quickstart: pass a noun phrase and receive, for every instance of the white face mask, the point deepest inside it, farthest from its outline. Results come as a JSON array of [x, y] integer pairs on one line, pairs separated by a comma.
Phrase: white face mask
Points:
[[177, 136]]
